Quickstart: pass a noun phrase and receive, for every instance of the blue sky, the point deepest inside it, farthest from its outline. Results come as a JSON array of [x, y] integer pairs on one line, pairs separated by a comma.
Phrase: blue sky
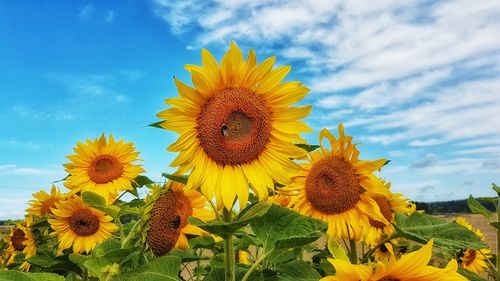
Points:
[[414, 81]]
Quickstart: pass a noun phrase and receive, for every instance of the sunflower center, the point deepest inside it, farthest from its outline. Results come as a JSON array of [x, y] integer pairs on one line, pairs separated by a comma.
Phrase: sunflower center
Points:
[[386, 210], [165, 224], [332, 186], [105, 168], [84, 223], [471, 256], [184, 208], [234, 126], [17, 240]]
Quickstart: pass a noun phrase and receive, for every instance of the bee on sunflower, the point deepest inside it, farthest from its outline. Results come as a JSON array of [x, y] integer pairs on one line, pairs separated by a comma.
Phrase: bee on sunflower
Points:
[[474, 260], [103, 166], [20, 240], [334, 185], [166, 217], [80, 226], [43, 202], [237, 126]]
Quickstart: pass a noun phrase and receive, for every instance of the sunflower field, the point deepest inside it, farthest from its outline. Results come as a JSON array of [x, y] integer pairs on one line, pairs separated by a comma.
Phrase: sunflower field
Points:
[[250, 200]]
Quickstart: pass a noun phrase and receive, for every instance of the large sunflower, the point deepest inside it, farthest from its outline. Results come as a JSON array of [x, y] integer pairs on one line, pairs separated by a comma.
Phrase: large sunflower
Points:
[[167, 215], [388, 204], [80, 226], [236, 126], [40, 206], [333, 186], [20, 239], [411, 267], [103, 166], [474, 260]]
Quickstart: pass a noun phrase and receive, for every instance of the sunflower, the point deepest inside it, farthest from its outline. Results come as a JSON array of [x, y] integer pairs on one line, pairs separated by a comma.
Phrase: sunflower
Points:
[[103, 166], [167, 217], [20, 239], [384, 252], [40, 206], [280, 199], [80, 226], [474, 260], [388, 204], [236, 126], [336, 187], [413, 267]]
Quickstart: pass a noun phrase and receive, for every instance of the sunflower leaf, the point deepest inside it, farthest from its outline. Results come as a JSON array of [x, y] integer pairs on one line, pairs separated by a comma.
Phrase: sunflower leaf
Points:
[[93, 199], [448, 235], [307, 147], [181, 179], [156, 124], [496, 188], [13, 275], [297, 270], [281, 227], [165, 268], [470, 275], [477, 208], [141, 181]]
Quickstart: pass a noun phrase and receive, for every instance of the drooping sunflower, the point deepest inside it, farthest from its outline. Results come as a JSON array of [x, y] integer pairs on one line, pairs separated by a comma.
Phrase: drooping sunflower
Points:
[[167, 217], [80, 226], [474, 260], [413, 266], [389, 204], [345, 271], [236, 126], [103, 166], [336, 187], [20, 239], [43, 202]]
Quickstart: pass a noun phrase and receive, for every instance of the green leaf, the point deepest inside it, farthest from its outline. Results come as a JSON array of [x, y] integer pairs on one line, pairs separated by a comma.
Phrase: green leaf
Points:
[[448, 235], [495, 224], [165, 268], [105, 247], [281, 227], [496, 188], [220, 228], [156, 124], [187, 255], [336, 250], [126, 210], [205, 242], [470, 275], [140, 181], [111, 210], [93, 199], [96, 265], [297, 271], [307, 147], [182, 179], [217, 274], [13, 275], [477, 208], [44, 258], [78, 259], [41, 224]]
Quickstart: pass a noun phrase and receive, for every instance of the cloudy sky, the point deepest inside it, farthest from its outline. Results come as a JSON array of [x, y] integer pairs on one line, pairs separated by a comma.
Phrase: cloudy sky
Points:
[[417, 82]]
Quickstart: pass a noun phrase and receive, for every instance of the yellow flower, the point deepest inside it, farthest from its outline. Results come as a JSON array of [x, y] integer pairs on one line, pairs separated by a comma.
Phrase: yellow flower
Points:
[[40, 206], [236, 126], [474, 260], [388, 204], [413, 267], [333, 186], [384, 252], [280, 199], [102, 166], [243, 257], [168, 215], [20, 239], [80, 226]]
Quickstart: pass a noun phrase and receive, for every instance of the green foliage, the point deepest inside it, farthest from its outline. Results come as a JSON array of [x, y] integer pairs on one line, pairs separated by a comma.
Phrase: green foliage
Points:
[[12, 275], [165, 268], [156, 125], [283, 228], [181, 179], [307, 147], [297, 271], [477, 208], [470, 275], [449, 236]]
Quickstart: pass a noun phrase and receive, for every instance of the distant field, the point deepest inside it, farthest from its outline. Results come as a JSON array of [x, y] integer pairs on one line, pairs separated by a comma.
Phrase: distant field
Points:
[[480, 223]]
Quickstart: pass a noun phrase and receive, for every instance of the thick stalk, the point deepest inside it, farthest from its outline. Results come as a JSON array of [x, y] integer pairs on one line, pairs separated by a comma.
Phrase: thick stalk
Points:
[[228, 249], [354, 251]]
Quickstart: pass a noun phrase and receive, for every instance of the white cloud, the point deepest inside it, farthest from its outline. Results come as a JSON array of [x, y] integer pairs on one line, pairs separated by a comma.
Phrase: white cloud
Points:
[[109, 16], [13, 169], [86, 11]]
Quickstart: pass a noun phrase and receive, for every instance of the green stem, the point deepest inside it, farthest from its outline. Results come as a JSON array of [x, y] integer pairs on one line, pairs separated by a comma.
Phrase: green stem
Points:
[[255, 264], [228, 249], [130, 234], [354, 251], [372, 250]]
